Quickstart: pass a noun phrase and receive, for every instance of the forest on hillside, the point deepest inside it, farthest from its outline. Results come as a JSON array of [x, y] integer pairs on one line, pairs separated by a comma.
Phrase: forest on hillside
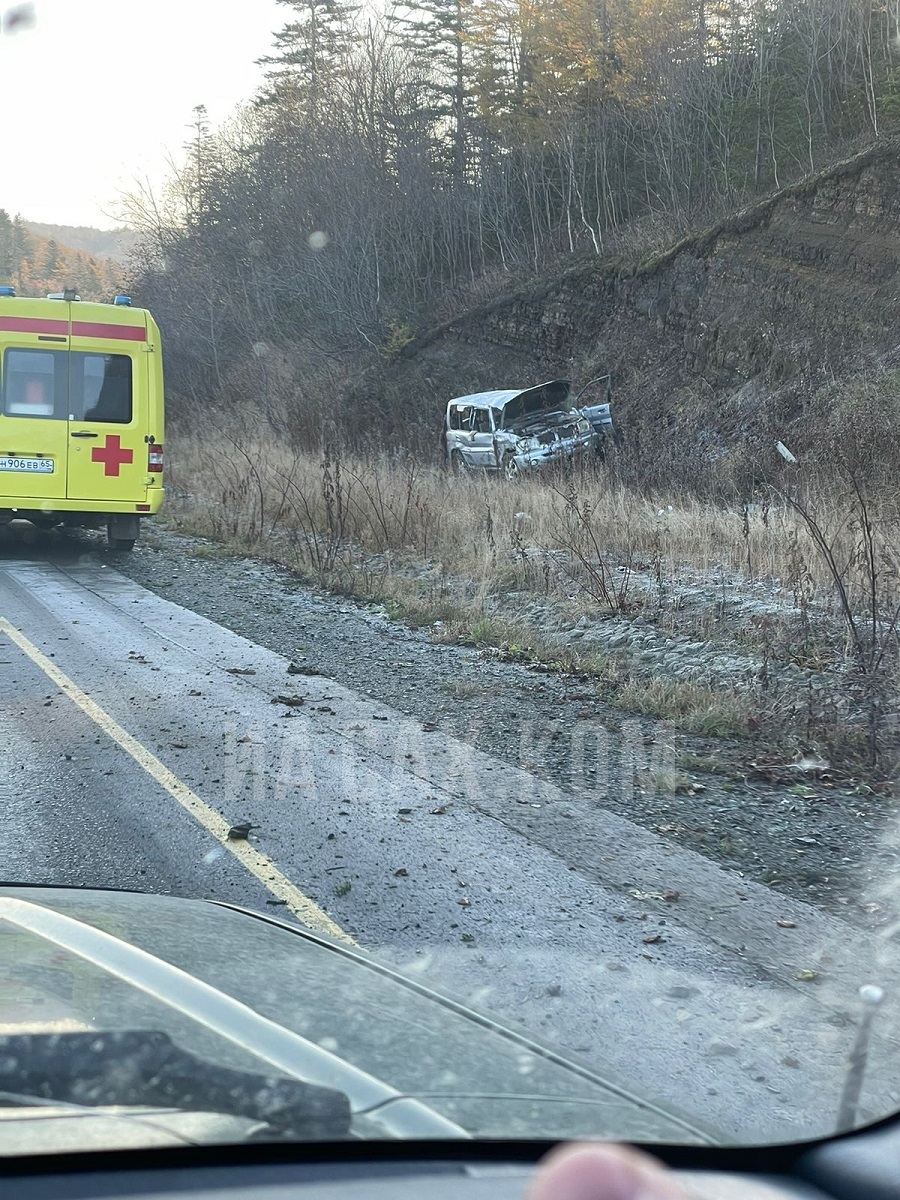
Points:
[[116, 244], [35, 265], [391, 170]]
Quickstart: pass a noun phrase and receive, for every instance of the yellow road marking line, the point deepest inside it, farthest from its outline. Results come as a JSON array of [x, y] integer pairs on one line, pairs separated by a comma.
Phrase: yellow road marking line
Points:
[[259, 865]]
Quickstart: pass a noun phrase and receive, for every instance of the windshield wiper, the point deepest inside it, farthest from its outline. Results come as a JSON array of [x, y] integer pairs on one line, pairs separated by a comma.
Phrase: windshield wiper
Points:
[[131, 1068], [129, 1117]]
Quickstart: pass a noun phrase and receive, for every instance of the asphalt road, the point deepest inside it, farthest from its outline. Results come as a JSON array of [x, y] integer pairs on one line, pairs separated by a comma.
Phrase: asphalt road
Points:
[[134, 733]]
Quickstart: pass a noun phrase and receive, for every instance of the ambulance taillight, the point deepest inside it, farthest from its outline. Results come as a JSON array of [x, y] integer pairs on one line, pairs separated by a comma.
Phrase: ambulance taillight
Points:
[[154, 458]]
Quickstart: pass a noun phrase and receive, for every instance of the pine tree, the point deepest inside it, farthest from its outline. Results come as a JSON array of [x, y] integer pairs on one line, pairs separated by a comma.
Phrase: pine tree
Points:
[[436, 34], [6, 256], [51, 258], [90, 281], [198, 176], [21, 252], [309, 52]]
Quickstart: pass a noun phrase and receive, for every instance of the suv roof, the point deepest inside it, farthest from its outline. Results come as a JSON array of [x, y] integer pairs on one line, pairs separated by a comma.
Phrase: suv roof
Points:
[[555, 392]]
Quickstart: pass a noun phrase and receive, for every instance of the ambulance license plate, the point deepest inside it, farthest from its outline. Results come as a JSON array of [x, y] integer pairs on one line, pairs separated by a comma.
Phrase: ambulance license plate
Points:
[[37, 466]]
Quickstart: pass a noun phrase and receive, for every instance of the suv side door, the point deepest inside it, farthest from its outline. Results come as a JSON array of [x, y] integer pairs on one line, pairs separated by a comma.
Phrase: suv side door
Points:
[[482, 445], [459, 433]]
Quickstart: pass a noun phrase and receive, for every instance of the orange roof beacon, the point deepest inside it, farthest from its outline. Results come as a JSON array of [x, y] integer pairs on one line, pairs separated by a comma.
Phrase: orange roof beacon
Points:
[[81, 414]]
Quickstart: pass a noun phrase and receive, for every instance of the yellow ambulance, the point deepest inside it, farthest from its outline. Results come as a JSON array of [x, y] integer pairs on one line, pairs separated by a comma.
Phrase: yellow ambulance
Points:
[[81, 414]]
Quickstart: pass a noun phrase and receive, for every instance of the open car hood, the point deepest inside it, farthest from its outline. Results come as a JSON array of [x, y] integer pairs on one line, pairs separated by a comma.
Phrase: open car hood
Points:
[[243, 992], [532, 402]]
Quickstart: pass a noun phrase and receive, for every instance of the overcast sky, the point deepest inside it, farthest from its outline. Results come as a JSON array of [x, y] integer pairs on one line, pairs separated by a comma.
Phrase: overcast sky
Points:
[[98, 92]]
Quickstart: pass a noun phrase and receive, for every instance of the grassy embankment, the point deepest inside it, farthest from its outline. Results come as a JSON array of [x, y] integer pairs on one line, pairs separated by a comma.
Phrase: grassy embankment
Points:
[[516, 567]]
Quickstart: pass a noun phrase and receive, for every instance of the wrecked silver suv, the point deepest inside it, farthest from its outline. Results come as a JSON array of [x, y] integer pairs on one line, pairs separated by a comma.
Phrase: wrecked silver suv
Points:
[[521, 429]]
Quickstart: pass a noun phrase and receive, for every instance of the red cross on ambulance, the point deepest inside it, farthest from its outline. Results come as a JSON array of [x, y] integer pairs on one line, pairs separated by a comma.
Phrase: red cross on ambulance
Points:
[[112, 455]]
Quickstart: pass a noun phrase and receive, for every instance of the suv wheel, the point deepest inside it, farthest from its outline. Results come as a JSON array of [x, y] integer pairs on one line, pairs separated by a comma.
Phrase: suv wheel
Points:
[[510, 468]]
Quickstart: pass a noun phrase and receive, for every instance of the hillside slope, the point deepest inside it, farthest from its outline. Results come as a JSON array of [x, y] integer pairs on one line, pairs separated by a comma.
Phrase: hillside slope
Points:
[[733, 337], [114, 244], [36, 265]]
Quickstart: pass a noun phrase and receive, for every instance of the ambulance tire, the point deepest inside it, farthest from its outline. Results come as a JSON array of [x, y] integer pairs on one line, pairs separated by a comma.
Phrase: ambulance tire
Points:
[[122, 531]]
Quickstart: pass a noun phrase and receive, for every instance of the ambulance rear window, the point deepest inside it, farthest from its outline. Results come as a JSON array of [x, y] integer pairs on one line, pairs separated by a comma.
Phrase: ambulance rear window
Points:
[[34, 383], [100, 388]]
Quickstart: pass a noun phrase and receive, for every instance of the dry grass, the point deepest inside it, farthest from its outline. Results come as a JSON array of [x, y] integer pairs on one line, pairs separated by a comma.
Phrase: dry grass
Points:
[[335, 512], [690, 706], [463, 689], [469, 556]]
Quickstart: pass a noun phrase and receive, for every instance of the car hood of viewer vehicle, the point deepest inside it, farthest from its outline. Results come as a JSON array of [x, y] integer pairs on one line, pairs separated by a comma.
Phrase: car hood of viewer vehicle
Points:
[[133, 1020]]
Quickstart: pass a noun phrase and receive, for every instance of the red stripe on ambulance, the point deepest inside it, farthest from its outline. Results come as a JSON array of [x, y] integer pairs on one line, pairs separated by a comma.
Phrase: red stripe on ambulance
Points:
[[34, 325], [118, 333]]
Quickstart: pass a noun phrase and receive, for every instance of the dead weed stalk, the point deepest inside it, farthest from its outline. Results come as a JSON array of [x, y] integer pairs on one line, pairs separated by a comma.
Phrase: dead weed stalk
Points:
[[577, 532], [860, 556]]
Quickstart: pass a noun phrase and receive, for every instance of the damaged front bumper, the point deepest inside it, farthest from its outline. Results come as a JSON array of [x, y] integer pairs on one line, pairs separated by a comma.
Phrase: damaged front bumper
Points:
[[534, 454]]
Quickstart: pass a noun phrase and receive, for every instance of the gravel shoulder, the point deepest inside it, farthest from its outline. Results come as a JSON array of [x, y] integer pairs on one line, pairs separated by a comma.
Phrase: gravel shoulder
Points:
[[827, 843]]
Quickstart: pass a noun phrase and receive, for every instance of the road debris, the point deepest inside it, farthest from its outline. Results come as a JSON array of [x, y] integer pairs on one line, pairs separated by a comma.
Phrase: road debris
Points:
[[240, 833]]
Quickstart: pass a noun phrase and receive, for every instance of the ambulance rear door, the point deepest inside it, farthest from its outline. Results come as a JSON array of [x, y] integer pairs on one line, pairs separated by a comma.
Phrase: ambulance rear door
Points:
[[108, 406], [34, 431]]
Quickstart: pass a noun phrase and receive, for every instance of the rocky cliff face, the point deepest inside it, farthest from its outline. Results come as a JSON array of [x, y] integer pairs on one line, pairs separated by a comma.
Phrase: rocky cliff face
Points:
[[733, 337]]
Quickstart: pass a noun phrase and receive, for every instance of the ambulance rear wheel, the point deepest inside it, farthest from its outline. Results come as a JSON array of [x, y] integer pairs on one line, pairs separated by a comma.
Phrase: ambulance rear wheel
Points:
[[122, 531]]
